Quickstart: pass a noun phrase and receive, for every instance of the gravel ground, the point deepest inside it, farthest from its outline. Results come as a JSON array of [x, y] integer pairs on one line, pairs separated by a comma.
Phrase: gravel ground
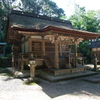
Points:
[[74, 89]]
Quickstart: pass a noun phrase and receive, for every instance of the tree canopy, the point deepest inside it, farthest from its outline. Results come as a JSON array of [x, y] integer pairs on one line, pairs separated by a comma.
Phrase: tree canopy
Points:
[[42, 7], [83, 20], [86, 21]]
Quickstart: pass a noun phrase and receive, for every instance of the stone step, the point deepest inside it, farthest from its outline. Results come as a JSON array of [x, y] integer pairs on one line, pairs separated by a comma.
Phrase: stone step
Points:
[[54, 78]]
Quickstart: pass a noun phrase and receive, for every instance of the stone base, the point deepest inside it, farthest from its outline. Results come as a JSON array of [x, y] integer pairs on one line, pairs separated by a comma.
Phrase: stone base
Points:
[[30, 80], [65, 71]]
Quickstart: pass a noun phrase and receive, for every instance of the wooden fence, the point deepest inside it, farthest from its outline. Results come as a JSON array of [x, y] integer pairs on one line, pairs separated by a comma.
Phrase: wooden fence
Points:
[[5, 62]]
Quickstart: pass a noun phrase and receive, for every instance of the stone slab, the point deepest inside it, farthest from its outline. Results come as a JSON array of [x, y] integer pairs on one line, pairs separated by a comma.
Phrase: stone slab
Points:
[[52, 78], [94, 79]]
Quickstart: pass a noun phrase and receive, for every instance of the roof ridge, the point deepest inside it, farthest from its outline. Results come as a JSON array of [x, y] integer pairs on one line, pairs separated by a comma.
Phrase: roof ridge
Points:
[[22, 13]]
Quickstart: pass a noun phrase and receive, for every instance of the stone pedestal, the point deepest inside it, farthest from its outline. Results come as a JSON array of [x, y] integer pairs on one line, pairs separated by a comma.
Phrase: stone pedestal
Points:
[[95, 63], [32, 70]]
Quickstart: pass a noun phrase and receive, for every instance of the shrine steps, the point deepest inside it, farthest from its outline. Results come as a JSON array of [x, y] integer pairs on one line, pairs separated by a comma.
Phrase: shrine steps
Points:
[[48, 63]]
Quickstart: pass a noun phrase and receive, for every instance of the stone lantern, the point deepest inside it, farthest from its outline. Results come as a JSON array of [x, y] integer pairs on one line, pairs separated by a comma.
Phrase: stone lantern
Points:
[[95, 62], [32, 65]]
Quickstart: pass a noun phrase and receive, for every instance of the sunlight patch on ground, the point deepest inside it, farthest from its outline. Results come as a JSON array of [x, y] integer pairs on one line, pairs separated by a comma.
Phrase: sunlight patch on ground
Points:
[[81, 95]]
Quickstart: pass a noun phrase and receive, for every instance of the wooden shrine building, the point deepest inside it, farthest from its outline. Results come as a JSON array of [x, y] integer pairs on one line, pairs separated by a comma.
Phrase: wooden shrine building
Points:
[[48, 39]]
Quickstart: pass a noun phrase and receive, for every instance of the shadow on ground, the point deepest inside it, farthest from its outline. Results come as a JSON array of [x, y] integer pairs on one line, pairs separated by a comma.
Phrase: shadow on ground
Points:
[[74, 87], [5, 72]]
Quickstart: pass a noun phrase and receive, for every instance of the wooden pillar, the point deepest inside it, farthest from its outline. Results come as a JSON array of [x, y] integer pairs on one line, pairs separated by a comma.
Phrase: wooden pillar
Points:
[[60, 49], [82, 61], [91, 54], [56, 55], [29, 45], [69, 65], [24, 45], [18, 61], [22, 64], [43, 47], [75, 54]]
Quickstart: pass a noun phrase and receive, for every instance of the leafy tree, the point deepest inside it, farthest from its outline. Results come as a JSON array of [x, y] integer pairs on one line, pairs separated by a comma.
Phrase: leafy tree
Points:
[[5, 7], [83, 20], [87, 21], [43, 7], [2, 22]]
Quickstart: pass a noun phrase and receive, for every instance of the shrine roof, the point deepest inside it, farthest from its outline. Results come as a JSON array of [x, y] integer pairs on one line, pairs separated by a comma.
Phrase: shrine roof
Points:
[[94, 44], [32, 21]]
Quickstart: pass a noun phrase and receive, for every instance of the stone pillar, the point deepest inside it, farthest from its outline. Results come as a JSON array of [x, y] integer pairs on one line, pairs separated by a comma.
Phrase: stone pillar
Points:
[[32, 71], [56, 55], [95, 63]]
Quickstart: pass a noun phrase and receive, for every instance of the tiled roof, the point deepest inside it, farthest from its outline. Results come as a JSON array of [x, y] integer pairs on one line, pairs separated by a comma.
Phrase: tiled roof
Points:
[[94, 44], [32, 21]]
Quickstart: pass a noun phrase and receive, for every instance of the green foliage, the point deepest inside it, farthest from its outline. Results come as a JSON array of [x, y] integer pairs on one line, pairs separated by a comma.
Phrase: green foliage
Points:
[[42, 7], [87, 21], [5, 7], [82, 48], [83, 20], [2, 23]]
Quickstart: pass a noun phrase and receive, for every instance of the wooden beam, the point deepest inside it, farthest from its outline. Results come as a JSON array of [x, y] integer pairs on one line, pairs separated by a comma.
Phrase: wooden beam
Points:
[[15, 38], [85, 36], [40, 40]]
